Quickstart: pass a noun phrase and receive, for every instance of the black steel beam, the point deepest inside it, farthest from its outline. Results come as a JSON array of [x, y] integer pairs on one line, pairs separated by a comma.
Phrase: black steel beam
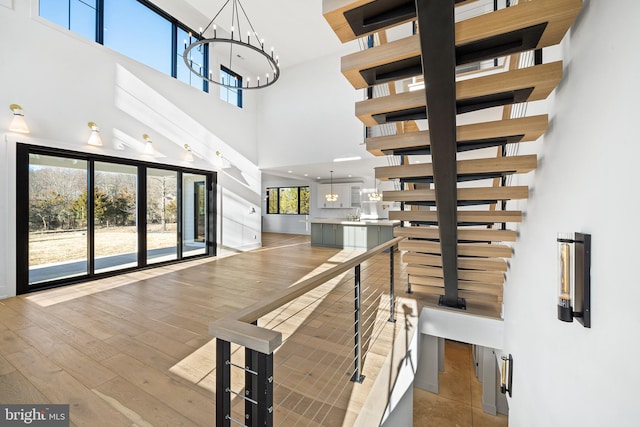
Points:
[[436, 26]]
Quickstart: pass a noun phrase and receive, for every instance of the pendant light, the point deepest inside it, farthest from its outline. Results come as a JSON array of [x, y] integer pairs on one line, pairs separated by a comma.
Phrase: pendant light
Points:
[[331, 196]]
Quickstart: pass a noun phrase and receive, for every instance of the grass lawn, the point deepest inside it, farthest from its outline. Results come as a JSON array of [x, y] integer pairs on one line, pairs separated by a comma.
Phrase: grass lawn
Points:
[[48, 248]]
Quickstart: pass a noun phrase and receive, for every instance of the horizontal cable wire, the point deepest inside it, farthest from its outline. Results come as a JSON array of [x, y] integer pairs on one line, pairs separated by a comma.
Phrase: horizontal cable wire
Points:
[[370, 316], [346, 361], [338, 340], [336, 356]]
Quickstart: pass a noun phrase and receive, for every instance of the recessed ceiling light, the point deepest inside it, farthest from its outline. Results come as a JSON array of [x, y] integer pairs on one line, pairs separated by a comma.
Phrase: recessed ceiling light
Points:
[[306, 174], [317, 177], [350, 175], [290, 171], [347, 159]]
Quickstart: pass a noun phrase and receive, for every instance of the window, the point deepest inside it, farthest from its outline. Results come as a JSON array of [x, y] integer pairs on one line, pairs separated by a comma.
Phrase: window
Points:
[[194, 207], [162, 215], [84, 216], [79, 16], [231, 95], [288, 200], [135, 28], [115, 205], [198, 60], [57, 218], [138, 32]]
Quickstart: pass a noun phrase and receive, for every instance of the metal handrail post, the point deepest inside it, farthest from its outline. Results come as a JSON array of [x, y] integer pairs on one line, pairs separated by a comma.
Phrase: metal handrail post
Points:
[[392, 291], [223, 383], [357, 375], [265, 391], [250, 384]]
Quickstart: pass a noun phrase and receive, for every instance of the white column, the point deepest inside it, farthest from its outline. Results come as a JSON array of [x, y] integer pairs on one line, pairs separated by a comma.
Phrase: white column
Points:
[[428, 364]]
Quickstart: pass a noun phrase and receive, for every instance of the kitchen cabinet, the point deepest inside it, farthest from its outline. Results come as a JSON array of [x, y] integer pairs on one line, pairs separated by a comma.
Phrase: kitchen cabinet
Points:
[[348, 195], [332, 235], [377, 235], [338, 233], [355, 237]]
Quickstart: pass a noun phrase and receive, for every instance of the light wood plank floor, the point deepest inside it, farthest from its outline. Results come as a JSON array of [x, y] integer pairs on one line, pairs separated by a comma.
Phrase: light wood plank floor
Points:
[[134, 349], [459, 403]]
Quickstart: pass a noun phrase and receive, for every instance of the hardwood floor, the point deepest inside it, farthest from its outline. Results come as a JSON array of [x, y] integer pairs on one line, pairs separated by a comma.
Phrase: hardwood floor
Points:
[[135, 350], [459, 402]]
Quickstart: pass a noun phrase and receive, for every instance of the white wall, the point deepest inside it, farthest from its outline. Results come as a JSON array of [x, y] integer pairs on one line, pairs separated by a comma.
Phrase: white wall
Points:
[[309, 117], [64, 81], [565, 374]]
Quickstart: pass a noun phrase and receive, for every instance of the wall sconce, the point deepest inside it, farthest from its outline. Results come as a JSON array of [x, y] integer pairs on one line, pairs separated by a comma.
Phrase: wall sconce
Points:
[[189, 155], [221, 162], [574, 268], [148, 146], [94, 138], [18, 124], [506, 376]]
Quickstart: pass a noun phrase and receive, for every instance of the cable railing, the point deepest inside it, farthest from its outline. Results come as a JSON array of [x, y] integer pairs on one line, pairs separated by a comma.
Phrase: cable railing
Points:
[[305, 347]]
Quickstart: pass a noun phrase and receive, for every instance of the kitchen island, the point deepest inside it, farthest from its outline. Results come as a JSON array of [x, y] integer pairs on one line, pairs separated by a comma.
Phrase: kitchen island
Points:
[[347, 234]]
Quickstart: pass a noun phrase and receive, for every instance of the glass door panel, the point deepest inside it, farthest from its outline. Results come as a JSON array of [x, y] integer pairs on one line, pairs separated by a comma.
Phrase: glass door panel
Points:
[[194, 214], [57, 218], [162, 215], [115, 216]]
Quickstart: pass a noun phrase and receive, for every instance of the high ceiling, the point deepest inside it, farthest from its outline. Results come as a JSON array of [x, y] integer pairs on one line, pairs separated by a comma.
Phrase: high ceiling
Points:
[[296, 28], [299, 33]]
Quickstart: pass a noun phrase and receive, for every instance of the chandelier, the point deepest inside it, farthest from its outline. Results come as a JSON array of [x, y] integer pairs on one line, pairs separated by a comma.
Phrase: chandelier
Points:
[[261, 68], [375, 196], [331, 196]]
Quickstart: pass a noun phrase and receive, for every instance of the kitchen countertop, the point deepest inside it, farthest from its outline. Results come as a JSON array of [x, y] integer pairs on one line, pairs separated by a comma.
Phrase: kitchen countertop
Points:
[[362, 222]]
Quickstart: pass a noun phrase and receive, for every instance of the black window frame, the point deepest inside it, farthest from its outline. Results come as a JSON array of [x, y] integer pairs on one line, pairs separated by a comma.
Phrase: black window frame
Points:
[[175, 24], [238, 78], [299, 187], [22, 214]]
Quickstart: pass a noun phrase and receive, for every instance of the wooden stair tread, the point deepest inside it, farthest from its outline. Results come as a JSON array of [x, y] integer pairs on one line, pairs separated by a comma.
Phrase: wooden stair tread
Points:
[[471, 263], [464, 194], [554, 16], [494, 289], [541, 79], [501, 165], [484, 235], [486, 277], [430, 287], [530, 127], [559, 14], [464, 249], [334, 12], [463, 216]]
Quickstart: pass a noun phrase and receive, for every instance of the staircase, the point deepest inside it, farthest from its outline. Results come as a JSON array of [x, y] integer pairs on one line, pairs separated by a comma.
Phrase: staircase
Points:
[[454, 207]]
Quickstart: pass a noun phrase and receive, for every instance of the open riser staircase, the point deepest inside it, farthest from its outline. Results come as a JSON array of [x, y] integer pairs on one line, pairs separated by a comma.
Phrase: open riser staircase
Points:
[[457, 243]]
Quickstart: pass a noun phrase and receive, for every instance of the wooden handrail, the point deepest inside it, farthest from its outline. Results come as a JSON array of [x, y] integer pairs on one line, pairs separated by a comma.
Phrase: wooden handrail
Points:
[[237, 327]]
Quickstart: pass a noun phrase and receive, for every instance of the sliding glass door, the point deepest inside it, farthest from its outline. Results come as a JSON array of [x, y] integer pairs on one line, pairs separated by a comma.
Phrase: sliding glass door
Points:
[[57, 220], [194, 217], [162, 215], [114, 216], [81, 216]]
